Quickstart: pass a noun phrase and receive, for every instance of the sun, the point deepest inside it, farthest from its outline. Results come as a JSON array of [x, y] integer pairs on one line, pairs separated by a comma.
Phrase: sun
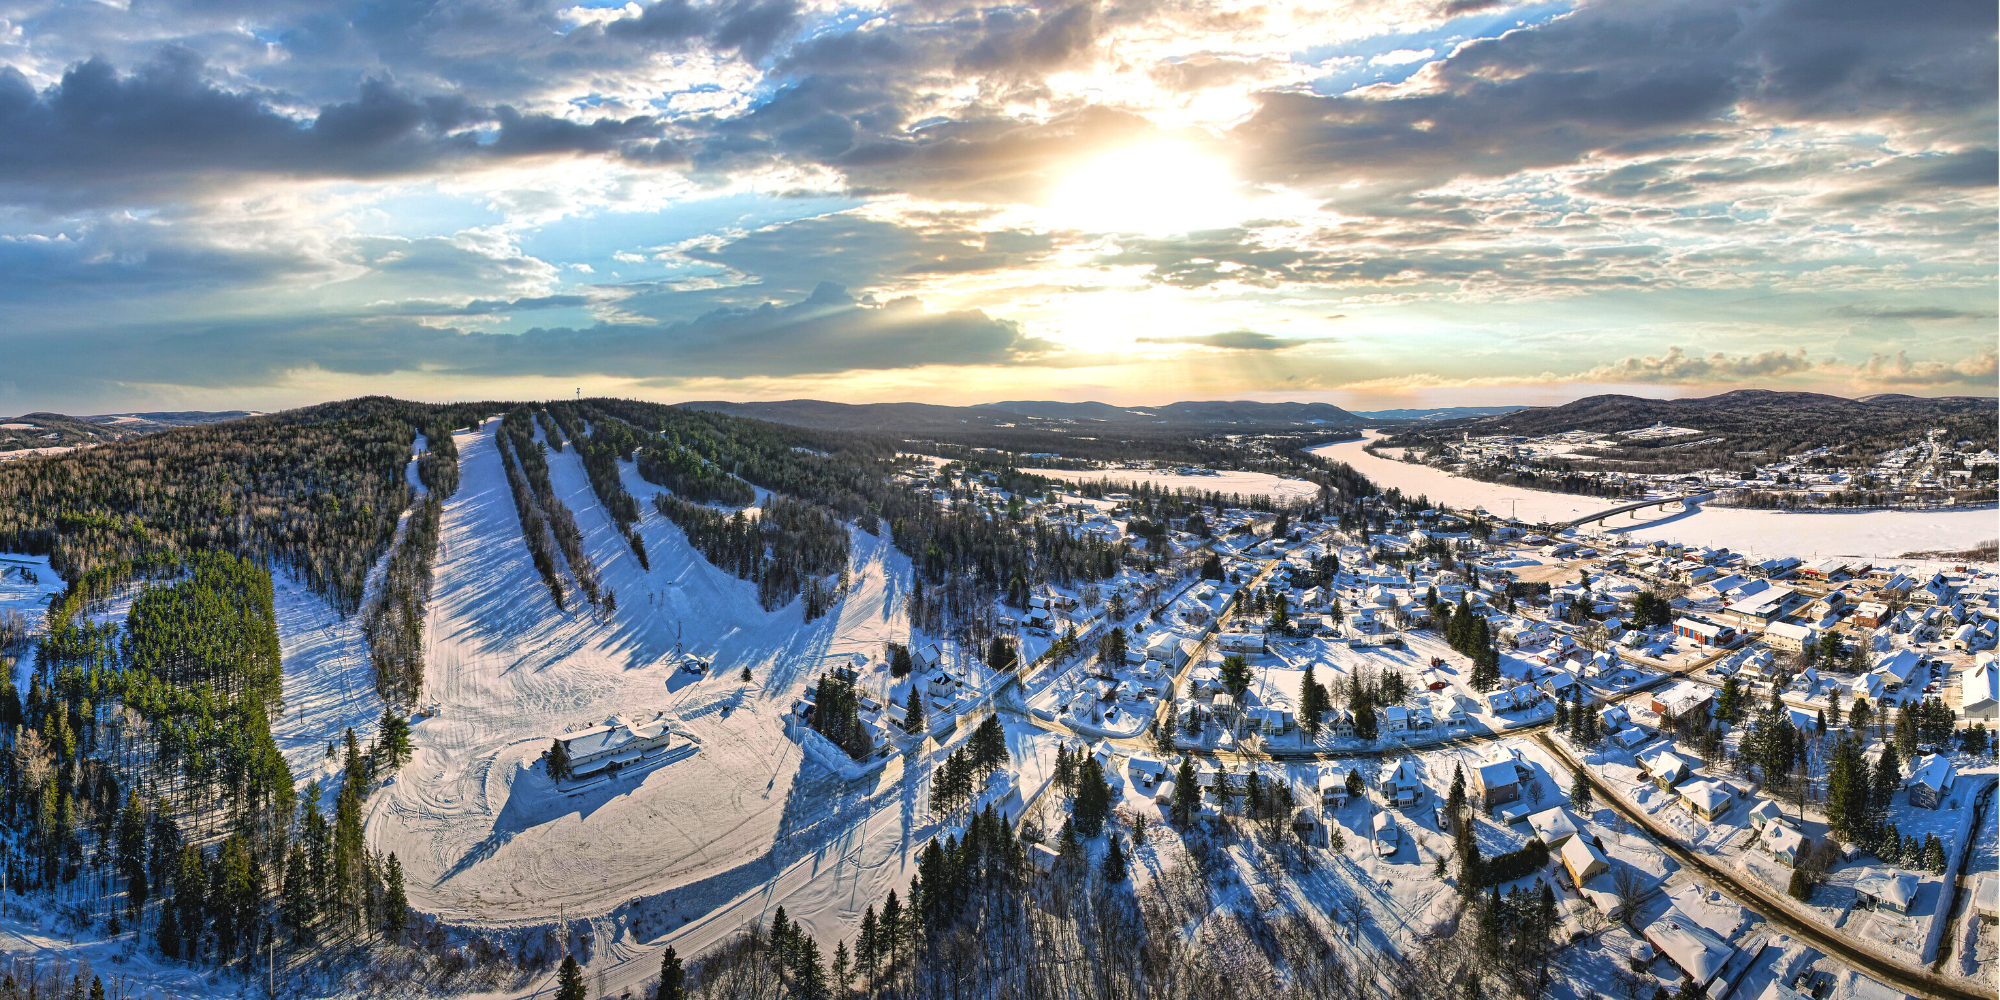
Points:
[[1162, 187]]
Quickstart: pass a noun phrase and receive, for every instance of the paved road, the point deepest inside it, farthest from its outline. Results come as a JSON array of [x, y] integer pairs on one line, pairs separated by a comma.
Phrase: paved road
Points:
[[1911, 978]]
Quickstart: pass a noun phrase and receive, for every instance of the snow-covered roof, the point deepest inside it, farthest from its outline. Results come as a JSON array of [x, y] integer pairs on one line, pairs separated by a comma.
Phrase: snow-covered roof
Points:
[[1897, 888], [1552, 825], [1779, 838], [1706, 796], [1980, 685], [1932, 771], [1694, 948], [1497, 775]]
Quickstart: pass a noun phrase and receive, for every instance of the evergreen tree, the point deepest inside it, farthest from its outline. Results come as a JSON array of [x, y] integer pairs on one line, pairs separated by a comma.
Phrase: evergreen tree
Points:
[[392, 744], [1236, 675], [1093, 798], [1579, 792], [168, 934], [569, 980], [866, 950], [1888, 777], [913, 712], [842, 970], [673, 980], [1187, 796], [1114, 861], [558, 766], [395, 906]]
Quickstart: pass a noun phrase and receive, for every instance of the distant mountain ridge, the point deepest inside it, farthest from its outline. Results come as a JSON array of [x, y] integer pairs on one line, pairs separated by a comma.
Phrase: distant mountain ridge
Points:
[[1439, 413], [1203, 415], [1742, 411], [59, 430], [1737, 429]]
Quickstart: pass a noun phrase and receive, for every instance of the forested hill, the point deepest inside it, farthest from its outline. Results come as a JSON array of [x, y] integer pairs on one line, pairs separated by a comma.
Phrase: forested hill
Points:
[[1195, 433], [1206, 416], [318, 489], [1748, 421], [56, 430]]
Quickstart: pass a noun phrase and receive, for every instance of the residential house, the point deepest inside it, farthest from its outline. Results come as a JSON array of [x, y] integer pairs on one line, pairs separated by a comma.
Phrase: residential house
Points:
[[1782, 840], [1395, 720], [1979, 690], [1886, 890], [1705, 799], [1554, 826], [1682, 699], [1697, 951], [1499, 783], [1786, 635], [1401, 787], [1764, 812], [1333, 787], [1931, 778], [1582, 860]]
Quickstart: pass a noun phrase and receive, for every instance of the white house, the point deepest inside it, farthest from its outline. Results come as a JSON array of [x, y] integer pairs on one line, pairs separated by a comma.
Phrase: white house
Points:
[[1979, 691], [1892, 891], [1401, 786]]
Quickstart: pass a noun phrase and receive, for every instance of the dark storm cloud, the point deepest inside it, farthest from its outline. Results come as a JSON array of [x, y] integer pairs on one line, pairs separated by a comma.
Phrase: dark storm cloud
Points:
[[100, 137], [1233, 340]]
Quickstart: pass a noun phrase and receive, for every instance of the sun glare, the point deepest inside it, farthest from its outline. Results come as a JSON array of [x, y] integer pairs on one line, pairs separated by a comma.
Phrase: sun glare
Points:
[[1156, 188]]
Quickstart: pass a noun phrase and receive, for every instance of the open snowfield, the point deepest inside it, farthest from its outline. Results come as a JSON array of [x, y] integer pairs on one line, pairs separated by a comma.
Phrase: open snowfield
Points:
[[1874, 534], [1246, 483], [683, 852]]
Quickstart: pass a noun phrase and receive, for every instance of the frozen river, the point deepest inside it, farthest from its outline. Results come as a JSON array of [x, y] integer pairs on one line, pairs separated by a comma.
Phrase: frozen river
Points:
[[1874, 534]]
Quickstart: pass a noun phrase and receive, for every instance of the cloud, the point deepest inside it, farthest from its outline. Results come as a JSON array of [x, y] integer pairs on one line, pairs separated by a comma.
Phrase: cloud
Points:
[[1401, 57], [1233, 340], [1978, 369], [1927, 313], [1636, 79], [99, 138], [827, 332], [1677, 367]]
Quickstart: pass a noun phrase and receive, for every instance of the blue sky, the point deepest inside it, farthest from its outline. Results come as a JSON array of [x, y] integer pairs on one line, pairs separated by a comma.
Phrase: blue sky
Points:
[[1403, 202]]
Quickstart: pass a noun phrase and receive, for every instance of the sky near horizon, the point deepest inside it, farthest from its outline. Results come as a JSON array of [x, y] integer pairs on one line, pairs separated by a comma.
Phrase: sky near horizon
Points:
[[219, 203]]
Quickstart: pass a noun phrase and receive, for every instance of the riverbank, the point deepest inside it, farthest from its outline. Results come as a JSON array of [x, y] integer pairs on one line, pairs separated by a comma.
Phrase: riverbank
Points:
[[1872, 534]]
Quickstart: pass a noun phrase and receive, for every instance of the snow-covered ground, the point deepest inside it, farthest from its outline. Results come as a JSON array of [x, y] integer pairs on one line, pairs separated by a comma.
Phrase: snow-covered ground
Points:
[[1246, 483], [687, 851], [1874, 534]]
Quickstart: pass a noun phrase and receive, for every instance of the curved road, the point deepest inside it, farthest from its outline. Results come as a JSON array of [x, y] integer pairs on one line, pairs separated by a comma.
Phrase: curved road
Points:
[[1912, 978]]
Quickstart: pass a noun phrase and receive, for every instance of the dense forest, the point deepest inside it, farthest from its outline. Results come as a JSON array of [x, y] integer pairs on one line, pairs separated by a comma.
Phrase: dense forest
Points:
[[785, 550], [316, 490]]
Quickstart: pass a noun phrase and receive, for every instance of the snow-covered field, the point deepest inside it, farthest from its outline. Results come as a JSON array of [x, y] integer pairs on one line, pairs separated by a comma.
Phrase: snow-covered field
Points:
[[1874, 534], [1246, 483]]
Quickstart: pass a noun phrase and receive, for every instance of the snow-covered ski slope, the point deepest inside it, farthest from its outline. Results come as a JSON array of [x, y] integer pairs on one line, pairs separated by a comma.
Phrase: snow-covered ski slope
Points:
[[688, 850]]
